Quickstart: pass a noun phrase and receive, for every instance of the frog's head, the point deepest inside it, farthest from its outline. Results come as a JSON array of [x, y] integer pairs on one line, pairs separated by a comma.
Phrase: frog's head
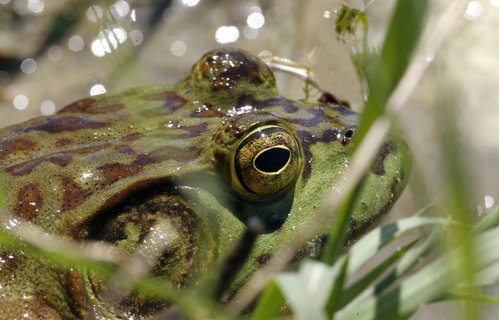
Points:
[[279, 158]]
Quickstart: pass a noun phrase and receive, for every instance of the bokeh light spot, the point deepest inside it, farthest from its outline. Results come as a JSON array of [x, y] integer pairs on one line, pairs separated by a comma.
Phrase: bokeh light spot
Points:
[[47, 107], [178, 48], [255, 20], [20, 102], [227, 34], [28, 66]]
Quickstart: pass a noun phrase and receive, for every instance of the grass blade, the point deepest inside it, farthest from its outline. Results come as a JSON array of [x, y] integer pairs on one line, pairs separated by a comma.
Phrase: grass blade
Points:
[[429, 284], [270, 304], [336, 294], [403, 35], [360, 285]]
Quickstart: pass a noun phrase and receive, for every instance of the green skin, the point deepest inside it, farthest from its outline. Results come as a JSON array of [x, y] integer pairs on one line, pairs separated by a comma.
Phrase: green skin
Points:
[[197, 157]]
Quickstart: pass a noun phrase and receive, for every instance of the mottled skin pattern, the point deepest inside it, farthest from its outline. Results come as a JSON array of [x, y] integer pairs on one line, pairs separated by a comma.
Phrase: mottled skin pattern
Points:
[[112, 167]]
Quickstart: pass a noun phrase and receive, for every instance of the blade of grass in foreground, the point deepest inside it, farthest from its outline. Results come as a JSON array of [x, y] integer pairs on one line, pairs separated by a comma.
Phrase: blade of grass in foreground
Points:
[[401, 40], [429, 284]]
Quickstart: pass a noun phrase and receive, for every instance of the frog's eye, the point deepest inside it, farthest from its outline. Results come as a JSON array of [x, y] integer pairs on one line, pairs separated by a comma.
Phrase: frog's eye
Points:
[[267, 160]]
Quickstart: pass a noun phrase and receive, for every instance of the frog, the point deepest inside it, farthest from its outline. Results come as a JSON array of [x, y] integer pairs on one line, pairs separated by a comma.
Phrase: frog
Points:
[[199, 162]]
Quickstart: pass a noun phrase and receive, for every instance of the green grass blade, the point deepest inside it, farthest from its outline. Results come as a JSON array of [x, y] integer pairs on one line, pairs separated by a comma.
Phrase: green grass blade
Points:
[[368, 246], [403, 34], [336, 294], [488, 276], [429, 284], [270, 304], [488, 222], [470, 297], [410, 259], [360, 285], [339, 228]]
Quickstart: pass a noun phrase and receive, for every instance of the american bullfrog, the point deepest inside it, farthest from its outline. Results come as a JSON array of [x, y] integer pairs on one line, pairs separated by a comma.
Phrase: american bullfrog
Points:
[[197, 161]]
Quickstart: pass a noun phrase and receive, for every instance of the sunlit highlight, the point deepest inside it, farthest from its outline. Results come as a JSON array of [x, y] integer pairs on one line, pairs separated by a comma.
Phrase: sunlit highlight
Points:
[[95, 13], [107, 41], [97, 89], [474, 10], [255, 20], [227, 34], [190, 3], [36, 6], [120, 8]]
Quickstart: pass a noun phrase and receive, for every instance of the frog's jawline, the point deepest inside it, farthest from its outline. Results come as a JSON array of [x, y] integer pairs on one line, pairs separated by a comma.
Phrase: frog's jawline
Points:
[[272, 213]]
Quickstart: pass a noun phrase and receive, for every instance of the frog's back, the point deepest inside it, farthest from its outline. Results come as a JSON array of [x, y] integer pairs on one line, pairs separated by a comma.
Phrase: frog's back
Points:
[[90, 155]]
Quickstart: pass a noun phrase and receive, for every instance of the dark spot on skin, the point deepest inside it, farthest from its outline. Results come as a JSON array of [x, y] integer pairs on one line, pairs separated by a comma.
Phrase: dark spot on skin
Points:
[[62, 124], [61, 143], [85, 106], [287, 105], [307, 165], [17, 145], [308, 139], [110, 108], [29, 202], [131, 136], [116, 171], [206, 111], [78, 106], [125, 150], [330, 135], [378, 167], [25, 168], [328, 97], [172, 101], [290, 108], [263, 259], [62, 160], [192, 131], [195, 130], [73, 194]]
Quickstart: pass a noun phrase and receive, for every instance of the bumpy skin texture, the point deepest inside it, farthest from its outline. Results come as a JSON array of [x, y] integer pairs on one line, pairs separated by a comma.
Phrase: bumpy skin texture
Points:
[[113, 167]]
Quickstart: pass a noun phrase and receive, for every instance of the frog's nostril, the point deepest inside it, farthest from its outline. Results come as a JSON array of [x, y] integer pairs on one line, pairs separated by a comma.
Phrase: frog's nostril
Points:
[[348, 134], [272, 160]]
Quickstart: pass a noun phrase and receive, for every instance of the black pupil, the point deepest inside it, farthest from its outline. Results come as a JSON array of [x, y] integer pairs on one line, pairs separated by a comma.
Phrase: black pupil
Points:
[[272, 160]]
